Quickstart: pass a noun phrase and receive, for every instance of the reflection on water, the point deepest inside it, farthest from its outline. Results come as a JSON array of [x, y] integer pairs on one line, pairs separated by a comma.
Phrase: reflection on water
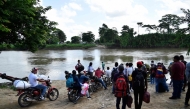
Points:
[[54, 62]]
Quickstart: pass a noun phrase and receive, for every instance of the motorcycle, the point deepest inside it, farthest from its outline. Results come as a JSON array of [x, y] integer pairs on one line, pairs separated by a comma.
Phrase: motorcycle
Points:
[[106, 80], [28, 95], [73, 94]]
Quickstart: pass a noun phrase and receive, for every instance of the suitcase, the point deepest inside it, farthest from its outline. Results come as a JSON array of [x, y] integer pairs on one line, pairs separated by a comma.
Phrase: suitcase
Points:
[[146, 97]]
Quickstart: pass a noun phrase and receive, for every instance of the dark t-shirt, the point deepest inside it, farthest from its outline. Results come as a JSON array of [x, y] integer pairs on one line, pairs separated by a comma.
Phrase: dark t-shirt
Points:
[[178, 69], [135, 73]]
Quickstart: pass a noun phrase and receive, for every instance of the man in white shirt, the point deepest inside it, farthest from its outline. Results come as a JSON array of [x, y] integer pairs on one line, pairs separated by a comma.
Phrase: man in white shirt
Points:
[[33, 80], [108, 72]]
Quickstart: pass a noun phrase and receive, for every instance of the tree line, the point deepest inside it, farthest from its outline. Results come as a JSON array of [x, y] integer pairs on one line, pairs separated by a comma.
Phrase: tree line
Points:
[[23, 24]]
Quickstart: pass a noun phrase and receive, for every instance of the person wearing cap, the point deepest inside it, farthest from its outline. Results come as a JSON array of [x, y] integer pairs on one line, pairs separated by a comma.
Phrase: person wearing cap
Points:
[[177, 76], [124, 99], [82, 77], [139, 84], [99, 73], [33, 80]]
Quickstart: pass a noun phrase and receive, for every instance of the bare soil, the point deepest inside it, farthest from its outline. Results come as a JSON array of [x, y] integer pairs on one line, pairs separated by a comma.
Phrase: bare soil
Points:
[[102, 99]]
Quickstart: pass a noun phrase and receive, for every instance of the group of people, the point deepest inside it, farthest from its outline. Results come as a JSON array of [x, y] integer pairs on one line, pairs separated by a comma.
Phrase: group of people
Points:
[[134, 79]]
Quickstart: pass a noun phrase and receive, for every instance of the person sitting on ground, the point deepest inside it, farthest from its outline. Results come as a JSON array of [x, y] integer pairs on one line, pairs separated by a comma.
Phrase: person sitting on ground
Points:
[[33, 80], [99, 73]]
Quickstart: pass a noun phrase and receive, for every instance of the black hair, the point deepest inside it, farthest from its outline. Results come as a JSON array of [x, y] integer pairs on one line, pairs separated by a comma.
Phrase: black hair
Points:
[[74, 72], [181, 57], [108, 68], [90, 64], [127, 64], [116, 64], [176, 57], [121, 68], [130, 64]]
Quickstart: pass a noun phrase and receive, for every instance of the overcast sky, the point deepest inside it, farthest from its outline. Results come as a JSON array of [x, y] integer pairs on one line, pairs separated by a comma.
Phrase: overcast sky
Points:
[[77, 16]]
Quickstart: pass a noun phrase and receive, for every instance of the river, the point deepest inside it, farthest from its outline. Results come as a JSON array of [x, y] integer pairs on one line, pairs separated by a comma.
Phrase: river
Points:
[[54, 62]]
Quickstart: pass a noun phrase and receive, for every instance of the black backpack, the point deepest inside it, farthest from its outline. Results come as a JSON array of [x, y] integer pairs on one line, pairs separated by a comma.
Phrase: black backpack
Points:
[[139, 78], [114, 71]]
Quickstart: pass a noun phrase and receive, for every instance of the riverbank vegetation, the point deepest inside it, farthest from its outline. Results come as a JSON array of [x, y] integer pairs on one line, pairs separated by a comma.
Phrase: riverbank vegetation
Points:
[[30, 29]]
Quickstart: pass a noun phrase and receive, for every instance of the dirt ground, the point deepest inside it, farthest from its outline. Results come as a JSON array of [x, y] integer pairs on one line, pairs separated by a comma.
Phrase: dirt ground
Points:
[[102, 99]]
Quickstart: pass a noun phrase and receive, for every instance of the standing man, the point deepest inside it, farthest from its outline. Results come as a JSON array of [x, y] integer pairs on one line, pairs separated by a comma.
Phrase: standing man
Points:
[[177, 76], [79, 67], [33, 80], [187, 73], [113, 72], [185, 80], [139, 84], [125, 87], [103, 66]]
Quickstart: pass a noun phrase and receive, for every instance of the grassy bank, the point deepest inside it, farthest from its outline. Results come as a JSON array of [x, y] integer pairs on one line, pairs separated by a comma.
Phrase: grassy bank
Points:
[[70, 46]]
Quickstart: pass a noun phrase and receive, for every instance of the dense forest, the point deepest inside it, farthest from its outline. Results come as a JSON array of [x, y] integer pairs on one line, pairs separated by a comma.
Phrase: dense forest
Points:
[[23, 25]]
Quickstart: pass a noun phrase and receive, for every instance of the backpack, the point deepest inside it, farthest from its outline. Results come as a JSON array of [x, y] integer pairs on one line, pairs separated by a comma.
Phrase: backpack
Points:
[[120, 86], [114, 71], [139, 79], [69, 81], [159, 72]]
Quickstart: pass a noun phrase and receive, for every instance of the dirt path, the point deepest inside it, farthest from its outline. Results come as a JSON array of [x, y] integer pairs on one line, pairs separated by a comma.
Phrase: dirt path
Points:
[[103, 99]]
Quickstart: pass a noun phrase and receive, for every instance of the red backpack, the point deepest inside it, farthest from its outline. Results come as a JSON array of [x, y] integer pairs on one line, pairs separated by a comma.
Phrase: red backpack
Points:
[[120, 87]]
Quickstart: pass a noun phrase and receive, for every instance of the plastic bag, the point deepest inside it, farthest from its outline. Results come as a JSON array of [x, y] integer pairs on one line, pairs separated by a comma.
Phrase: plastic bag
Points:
[[19, 84]]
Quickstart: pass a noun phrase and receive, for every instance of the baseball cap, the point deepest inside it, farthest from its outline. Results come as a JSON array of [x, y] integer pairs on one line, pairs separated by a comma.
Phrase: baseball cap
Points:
[[139, 63], [34, 69]]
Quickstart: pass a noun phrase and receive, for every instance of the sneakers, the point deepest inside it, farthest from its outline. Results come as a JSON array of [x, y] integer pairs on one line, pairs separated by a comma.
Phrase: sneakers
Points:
[[42, 98], [89, 97]]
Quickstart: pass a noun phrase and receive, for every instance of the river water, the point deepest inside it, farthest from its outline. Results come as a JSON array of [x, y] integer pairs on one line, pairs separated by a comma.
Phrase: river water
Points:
[[53, 63]]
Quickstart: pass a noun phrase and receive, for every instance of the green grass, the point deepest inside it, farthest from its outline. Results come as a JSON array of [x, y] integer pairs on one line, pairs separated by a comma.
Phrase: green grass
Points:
[[69, 46]]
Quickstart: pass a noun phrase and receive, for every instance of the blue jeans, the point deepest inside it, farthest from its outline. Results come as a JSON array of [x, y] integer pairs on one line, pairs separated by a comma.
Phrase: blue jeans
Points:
[[151, 79], [43, 88], [162, 81], [102, 82], [177, 86]]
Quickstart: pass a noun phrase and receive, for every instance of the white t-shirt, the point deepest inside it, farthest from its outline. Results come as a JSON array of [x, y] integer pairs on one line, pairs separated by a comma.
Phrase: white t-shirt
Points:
[[33, 79], [91, 69], [129, 70], [108, 73]]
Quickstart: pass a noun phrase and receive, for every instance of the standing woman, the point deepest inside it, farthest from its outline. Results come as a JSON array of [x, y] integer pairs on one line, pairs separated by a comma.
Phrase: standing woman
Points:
[[90, 70]]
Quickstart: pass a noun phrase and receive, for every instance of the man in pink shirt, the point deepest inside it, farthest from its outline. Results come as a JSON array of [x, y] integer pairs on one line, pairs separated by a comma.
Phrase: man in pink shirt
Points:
[[99, 73]]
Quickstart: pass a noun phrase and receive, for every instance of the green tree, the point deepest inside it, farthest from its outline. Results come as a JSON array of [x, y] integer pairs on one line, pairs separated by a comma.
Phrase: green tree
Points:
[[88, 37], [139, 25], [75, 39], [170, 22], [24, 21], [102, 31], [60, 34]]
